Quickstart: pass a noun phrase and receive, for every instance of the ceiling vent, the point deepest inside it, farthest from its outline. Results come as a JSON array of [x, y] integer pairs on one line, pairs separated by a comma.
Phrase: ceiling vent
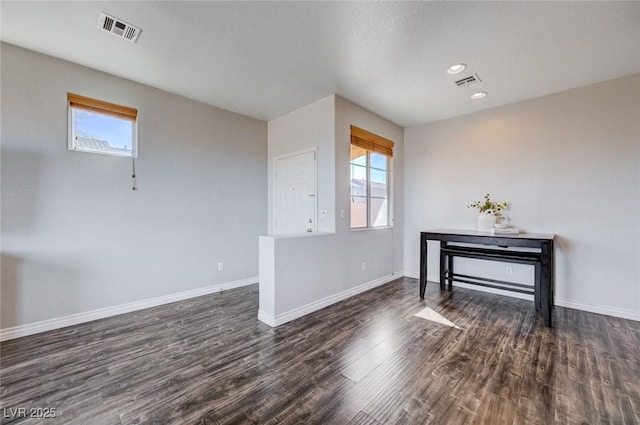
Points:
[[468, 80], [118, 27]]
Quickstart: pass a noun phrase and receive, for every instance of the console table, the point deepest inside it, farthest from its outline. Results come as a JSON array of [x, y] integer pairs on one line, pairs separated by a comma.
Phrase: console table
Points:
[[493, 250]]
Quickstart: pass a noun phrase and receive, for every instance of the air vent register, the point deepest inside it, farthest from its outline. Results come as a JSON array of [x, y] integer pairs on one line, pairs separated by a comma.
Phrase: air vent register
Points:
[[118, 27]]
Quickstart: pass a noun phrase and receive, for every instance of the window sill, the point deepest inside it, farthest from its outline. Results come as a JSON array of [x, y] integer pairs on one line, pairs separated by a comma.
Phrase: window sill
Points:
[[364, 229]]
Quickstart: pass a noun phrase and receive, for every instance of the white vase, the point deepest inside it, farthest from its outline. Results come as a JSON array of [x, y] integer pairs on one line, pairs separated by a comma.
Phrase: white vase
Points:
[[485, 222]]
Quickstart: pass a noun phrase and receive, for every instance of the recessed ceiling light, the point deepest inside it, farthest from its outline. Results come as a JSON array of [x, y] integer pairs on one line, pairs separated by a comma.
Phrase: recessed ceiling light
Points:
[[479, 95], [457, 68]]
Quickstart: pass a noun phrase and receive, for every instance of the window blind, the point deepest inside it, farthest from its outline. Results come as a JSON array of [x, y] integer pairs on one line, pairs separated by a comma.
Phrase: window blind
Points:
[[371, 142], [106, 108]]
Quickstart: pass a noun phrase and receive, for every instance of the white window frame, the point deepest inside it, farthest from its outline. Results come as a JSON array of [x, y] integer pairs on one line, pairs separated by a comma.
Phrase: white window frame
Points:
[[368, 197], [72, 131]]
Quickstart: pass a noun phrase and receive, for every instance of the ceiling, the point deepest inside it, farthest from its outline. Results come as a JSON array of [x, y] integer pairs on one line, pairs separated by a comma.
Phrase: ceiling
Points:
[[264, 59]]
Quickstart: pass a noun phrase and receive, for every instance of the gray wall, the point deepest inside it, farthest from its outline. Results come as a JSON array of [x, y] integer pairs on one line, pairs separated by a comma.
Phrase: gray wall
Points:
[[75, 237], [310, 126], [305, 272], [383, 247], [569, 164]]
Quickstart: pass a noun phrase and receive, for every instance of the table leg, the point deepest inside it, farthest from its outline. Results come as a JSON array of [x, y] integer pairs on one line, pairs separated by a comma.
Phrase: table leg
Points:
[[450, 271], [546, 282], [423, 265], [536, 288], [552, 256], [443, 265]]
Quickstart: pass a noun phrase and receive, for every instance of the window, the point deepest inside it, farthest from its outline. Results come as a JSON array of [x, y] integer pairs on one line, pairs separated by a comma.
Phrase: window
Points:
[[102, 127], [370, 163]]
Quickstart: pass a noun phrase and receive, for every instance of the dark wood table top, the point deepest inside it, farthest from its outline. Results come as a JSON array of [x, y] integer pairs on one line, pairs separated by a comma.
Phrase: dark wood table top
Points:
[[475, 233]]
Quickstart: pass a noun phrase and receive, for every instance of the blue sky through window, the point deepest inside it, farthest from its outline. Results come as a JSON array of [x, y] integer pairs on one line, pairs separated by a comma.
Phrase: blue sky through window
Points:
[[118, 132], [378, 161], [358, 167]]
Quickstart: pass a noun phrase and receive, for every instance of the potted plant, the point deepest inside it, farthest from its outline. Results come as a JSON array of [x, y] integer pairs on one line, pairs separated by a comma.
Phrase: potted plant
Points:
[[490, 212]]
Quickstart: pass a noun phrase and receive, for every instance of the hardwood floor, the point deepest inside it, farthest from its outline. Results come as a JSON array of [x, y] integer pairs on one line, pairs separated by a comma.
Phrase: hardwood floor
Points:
[[365, 361]]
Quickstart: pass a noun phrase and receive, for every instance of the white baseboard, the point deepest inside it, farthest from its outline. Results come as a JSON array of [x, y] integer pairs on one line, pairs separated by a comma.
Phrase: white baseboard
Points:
[[561, 302], [267, 318], [298, 312], [101, 313], [600, 309]]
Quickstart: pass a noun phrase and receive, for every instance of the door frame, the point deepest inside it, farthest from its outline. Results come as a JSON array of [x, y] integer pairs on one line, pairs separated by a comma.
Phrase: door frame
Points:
[[276, 158]]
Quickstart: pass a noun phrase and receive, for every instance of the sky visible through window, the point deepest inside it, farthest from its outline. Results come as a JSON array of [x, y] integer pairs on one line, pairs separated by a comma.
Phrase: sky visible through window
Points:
[[369, 200], [377, 161], [116, 131]]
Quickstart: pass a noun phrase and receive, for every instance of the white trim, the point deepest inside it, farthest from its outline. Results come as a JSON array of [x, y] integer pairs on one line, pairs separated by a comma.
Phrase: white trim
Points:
[[599, 309], [296, 153], [298, 312], [71, 136], [561, 302], [390, 198], [267, 318], [101, 313]]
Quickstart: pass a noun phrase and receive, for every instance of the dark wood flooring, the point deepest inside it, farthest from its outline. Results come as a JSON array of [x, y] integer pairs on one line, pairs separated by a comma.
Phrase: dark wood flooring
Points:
[[365, 361]]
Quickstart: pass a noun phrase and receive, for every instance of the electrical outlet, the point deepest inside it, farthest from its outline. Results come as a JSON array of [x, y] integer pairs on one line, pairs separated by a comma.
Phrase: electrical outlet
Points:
[[509, 270], [220, 267], [364, 266]]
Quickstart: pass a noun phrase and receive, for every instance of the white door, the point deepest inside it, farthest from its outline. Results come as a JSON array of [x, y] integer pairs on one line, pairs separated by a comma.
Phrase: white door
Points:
[[295, 194]]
